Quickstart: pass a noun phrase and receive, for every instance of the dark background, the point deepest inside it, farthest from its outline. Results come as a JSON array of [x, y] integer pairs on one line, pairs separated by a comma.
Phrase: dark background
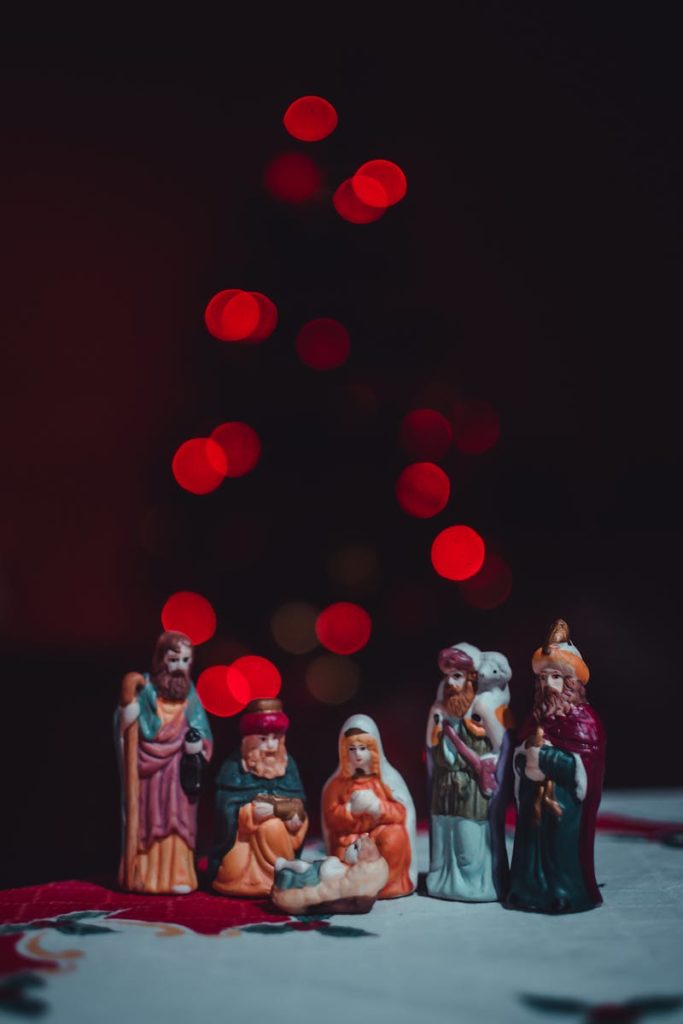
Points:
[[534, 263]]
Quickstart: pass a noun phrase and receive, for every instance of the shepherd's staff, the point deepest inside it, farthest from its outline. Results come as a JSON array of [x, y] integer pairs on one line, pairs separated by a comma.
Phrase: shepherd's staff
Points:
[[130, 687]]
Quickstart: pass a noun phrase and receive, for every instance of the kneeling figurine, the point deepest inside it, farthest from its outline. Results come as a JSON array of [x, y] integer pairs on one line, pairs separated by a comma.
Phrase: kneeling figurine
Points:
[[331, 886]]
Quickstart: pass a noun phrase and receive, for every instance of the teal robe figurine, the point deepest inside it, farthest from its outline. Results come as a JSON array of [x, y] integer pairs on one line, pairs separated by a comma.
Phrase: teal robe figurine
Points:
[[260, 805], [558, 769]]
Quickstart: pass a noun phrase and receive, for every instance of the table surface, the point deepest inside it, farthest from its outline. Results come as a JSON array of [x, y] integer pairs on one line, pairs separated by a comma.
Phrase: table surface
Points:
[[81, 951]]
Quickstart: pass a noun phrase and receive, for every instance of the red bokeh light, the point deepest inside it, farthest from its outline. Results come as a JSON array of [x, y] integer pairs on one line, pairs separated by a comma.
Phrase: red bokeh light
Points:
[[263, 676], [267, 321], [458, 552], [379, 183], [343, 627], [491, 586], [323, 344], [293, 178], [189, 613], [426, 434], [241, 446], [199, 465], [423, 490], [351, 208], [310, 118], [223, 690], [237, 315], [476, 426]]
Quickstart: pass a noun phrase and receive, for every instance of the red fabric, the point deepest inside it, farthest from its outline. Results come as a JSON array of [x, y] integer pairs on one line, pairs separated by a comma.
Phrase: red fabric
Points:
[[203, 912]]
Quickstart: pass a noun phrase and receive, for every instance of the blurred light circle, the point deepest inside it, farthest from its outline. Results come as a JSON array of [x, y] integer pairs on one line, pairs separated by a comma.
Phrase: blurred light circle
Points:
[[423, 490], [223, 690], [293, 627], [332, 679], [458, 552], [232, 315], [267, 321], [241, 445], [351, 208], [264, 678], [293, 178], [344, 627], [199, 465], [310, 118], [425, 434], [491, 586], [353, 564], [476, 426], [323, 344], [189, 613], [379, 183]]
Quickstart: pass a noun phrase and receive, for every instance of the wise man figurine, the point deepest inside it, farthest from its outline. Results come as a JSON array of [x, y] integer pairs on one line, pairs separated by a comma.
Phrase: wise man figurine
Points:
[[260, 805], [160, 727], [558, 767], [467, 753]]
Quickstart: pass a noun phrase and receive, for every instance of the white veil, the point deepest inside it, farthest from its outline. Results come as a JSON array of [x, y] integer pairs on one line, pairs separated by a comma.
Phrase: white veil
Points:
[[389, 775]]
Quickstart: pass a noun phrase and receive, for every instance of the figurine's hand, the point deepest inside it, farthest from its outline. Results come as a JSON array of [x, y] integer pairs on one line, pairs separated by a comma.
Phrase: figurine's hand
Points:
[[532, 770], [293, 824], [262, 810], [364, 801], [129, 714]]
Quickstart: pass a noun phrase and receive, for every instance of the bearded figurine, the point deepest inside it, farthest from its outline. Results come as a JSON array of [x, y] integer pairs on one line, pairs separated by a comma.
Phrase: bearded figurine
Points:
[[260, 815], [366, 795], [159, 725], [558, 769], [467, 753]]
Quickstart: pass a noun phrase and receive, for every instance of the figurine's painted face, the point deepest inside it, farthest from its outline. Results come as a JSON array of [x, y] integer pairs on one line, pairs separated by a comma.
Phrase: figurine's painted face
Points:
[[178, 662], [556, 693], [264, 754], [458, 692], [171, 677], [360, 758], [550, 677]]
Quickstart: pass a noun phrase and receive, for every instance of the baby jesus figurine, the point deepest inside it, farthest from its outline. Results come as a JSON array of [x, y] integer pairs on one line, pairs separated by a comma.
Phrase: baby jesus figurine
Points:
[[329, 886]]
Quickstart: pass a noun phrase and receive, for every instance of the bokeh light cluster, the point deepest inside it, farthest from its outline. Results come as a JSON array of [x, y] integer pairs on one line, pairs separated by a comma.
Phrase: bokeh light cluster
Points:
[[240, 316], [225, 690], [367, 195], [423, 490], [201, 464]]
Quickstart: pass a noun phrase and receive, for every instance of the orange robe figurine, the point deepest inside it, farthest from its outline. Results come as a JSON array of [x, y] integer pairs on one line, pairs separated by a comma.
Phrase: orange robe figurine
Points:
[[366, 795], [260, 813]]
